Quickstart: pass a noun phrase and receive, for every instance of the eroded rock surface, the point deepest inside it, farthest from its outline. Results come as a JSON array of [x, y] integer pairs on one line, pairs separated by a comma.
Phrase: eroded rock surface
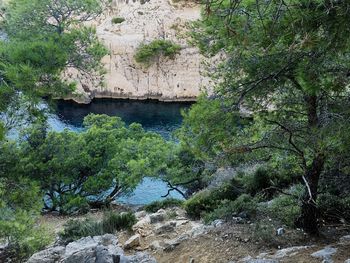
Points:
[[179, 79], [99, 249]]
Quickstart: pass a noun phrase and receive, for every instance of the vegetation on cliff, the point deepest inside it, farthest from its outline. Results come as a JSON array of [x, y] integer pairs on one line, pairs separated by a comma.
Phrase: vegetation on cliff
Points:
[[149, 53]]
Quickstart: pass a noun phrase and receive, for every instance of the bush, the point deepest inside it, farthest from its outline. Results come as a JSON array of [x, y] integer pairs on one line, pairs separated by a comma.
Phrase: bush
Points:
[[333, 208], [200, 203], [147, 53], [114, 222], [165, 203], [76, 204], [76, 229], [20, 203], [286, 208], [111, 222], [227, 209], [118, 20], [256, 182], [264, 231], [208, 200], [266, 179]]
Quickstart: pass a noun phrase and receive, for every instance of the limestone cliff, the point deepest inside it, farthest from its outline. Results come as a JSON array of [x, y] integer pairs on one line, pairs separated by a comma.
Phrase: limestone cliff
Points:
[[167, 80]]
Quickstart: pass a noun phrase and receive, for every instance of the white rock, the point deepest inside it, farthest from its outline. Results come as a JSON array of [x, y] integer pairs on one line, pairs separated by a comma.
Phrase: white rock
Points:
[[49, 255], [99, 249], [280, 231], [155, 245], [290, 251], [181, 222], [325, 254], [132, 242], [217, 223], [144, 222], [140, 214], [140, 257], [345, 239]]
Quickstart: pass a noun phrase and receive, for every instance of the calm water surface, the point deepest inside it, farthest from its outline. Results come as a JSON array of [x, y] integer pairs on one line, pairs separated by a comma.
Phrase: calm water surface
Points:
[[159, 117]]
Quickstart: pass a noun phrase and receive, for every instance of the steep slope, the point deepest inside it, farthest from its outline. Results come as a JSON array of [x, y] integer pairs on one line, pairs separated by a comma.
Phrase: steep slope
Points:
[[167, 80]]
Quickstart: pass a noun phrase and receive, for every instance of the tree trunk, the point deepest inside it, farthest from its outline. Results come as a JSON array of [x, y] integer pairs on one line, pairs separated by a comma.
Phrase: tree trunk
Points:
[[308, 219]]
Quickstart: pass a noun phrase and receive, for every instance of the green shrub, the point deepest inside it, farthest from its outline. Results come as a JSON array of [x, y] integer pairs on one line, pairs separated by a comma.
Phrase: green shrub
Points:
[[264, 231], [111, 222], [171, 214], [162, 204], [208, 200], [118, 20], [200, 203], [20, 204], [38, 239], [114, 222], [257, 181], [76, 204], [333, 208], [227, 209], [76, 229], [286, 208], [147, 53]]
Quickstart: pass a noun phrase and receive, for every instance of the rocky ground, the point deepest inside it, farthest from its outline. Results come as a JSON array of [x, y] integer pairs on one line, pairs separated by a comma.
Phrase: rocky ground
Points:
[[170, 236]]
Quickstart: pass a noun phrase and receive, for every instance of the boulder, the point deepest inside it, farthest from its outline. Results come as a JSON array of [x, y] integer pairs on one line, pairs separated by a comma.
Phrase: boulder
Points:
[[132, 242], [325, 254], [50, 255], [290, 251], [99, 249]]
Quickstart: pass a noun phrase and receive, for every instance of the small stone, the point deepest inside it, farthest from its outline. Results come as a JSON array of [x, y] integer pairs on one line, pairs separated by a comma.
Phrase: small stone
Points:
[[164, 228], [280, 231], [140, 257], [345, 239], [181, 222], [243, 215], [157, 217], [132, 242], [140, 214], [238, 220], [155, 245], [290, 251], [217, 223]]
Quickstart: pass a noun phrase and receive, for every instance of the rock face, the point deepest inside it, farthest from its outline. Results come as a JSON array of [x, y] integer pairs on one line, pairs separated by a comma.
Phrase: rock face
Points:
[[99, 249], [166, 79]]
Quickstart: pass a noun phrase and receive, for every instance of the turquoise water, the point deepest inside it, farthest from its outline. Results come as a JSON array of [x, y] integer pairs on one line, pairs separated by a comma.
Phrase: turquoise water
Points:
[[155, 116]]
